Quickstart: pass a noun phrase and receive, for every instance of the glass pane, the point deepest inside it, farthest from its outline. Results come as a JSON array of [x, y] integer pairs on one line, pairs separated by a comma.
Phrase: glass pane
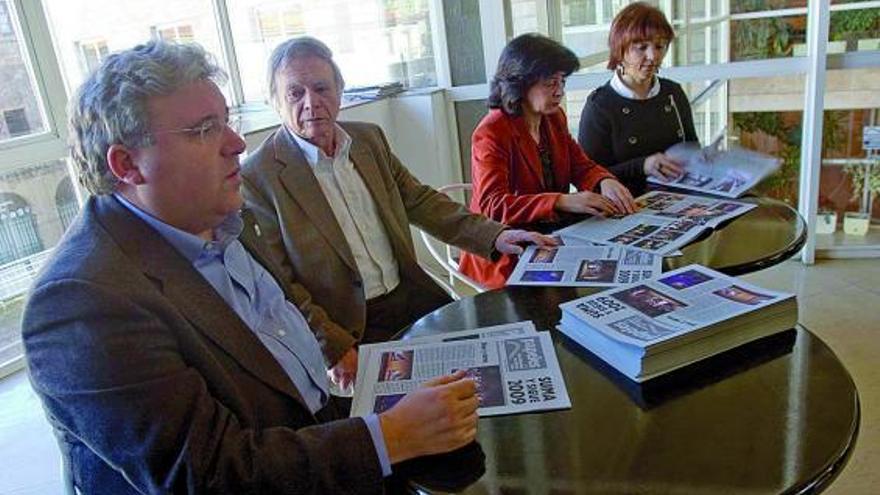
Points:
[[37, 203], [768, 37], [86, 31], [373, 41], [708, 107], [766, 114], [849, 183], [586, 25], [746, 6], [854, 30], [20, 112], [525, 17]]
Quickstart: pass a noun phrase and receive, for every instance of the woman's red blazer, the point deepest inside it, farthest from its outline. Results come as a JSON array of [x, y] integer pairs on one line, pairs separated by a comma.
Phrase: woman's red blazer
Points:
[[508, 180]]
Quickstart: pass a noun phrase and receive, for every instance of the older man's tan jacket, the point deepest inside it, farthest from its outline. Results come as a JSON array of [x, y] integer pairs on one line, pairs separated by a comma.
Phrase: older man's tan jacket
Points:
[[307, 242]]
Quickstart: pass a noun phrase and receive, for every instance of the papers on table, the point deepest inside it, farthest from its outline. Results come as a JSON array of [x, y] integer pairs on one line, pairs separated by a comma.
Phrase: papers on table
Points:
[[652, 327], [724, 173], [515, 368], [665, 222], [584, 266]]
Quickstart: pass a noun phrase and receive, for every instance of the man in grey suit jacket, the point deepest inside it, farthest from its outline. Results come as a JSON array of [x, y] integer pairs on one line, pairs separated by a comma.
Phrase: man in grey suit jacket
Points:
[[335, 206], [166, 350]]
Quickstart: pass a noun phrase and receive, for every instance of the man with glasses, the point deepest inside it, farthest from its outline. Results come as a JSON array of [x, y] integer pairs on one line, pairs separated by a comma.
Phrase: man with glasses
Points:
[[335, 206], [166, 353]]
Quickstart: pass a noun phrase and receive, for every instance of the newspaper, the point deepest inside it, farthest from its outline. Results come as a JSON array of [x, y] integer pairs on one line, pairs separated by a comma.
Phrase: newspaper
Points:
[[507, 329], [665, 222], [728, 173], [584, 266], [626, 325], [514, 373]]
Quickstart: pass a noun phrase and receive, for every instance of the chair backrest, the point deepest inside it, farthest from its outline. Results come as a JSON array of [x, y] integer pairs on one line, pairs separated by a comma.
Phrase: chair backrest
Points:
[[447, 256]]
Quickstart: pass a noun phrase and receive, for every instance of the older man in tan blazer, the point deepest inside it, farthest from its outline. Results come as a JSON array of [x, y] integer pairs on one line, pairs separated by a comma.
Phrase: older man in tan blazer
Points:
[[335, 205]]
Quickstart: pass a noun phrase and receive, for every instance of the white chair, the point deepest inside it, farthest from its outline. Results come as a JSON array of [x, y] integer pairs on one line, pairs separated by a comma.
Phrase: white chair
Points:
[[449, 257]]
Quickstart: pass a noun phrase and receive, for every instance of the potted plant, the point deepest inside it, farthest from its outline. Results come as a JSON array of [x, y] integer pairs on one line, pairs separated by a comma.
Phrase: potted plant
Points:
[[826, 222], [865, 179]]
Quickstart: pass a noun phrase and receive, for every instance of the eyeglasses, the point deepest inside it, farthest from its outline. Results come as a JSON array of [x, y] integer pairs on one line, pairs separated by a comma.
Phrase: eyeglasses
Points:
[[209, 129]]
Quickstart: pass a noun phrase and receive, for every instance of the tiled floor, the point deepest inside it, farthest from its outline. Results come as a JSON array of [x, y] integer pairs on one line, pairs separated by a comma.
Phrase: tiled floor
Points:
[[839, 301]]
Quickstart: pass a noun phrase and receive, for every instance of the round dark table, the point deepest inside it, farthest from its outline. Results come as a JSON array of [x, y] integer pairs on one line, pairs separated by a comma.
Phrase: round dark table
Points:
[[779, 415], [761, 238]]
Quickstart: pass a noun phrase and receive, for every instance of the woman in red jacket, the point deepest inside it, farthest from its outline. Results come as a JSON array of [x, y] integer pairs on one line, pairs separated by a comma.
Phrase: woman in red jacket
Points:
[[523, 159]]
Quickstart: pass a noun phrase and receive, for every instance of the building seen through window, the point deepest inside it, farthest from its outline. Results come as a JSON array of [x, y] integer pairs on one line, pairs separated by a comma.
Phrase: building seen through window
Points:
[[373, 41]]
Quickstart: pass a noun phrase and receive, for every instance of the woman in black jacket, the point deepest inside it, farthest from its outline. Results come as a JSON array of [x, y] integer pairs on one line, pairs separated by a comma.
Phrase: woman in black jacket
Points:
[[628, 123]]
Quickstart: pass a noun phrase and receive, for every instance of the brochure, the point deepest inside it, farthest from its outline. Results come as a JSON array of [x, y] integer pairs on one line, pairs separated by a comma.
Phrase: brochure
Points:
[[514, 373], [584, 266], [665, 222], [729, 173], [653, 327]]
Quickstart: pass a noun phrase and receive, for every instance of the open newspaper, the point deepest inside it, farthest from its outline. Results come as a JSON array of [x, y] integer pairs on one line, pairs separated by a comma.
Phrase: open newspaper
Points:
[[649, 328], [727, 173], [515, 368], [665, 221], [584, 266]]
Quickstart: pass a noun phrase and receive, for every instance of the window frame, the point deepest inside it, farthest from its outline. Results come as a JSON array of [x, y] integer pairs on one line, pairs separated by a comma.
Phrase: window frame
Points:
[[39, 56]]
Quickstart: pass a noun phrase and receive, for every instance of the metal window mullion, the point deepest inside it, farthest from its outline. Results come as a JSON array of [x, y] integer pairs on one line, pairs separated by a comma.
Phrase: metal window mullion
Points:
[[441, 48], [493, 31], [224, 28], [37, 42], [818, 20], [554, 20]]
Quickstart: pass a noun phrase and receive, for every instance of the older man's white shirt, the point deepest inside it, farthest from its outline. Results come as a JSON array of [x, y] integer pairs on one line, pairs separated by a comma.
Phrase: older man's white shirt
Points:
[[356, 213]]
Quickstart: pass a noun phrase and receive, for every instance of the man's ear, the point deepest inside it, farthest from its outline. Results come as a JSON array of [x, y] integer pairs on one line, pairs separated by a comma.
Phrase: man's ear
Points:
[[121, 161]]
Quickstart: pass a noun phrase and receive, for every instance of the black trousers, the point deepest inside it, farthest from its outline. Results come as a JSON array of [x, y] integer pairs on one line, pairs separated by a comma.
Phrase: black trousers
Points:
[[396, 310]]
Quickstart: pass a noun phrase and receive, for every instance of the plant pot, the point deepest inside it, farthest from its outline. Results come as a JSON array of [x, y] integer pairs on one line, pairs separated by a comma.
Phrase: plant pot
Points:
[[826, 222], [868, 44], [856, 223], [836, 47]]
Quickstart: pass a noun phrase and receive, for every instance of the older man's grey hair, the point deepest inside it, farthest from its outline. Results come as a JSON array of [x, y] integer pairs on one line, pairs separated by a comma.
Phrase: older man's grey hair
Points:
[[300, 47], [111, 105]]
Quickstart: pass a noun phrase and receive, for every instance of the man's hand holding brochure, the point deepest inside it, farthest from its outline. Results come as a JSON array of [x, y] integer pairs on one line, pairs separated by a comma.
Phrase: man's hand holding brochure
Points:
[[514, 367]]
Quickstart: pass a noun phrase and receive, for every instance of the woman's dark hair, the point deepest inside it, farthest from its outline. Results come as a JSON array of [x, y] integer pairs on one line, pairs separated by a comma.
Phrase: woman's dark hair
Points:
[[636, 22], [527, 59]]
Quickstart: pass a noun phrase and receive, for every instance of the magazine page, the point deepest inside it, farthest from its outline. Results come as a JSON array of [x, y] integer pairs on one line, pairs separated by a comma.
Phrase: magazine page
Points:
[[648, 313], [728, 173], [517, 328], [584, 266], [665, 222], [514, 374]]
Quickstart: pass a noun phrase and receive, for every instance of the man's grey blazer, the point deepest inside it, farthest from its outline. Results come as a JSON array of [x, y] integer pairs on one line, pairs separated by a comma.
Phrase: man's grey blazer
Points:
[[304, 238], [154, 385]]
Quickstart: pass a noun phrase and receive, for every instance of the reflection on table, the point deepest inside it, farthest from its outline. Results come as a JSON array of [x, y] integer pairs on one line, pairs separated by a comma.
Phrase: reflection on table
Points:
[[778, 415]]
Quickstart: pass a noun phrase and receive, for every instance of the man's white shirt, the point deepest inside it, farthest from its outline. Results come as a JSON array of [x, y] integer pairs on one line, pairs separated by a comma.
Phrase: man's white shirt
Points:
[[356, 212]]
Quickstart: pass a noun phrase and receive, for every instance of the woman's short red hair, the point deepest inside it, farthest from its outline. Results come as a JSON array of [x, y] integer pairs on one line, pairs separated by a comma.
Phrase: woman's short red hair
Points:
[[636, 22]]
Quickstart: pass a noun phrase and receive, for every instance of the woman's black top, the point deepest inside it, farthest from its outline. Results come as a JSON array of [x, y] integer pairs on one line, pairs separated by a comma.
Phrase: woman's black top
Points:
[[619, 133]]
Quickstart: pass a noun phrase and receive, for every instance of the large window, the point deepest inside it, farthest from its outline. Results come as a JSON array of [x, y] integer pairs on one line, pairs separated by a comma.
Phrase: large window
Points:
[[20, 109], [86, 31], [373, 41], [30, 221]]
